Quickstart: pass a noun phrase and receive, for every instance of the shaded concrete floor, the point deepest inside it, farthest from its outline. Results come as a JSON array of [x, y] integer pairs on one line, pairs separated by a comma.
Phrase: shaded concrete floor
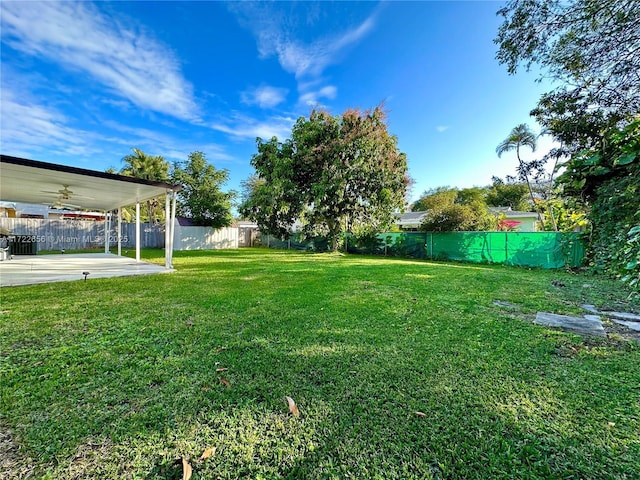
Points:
[[27, 270]]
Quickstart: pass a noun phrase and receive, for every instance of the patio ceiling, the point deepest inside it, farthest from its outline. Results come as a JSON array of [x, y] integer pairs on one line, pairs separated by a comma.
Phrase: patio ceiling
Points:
[[31, 181]]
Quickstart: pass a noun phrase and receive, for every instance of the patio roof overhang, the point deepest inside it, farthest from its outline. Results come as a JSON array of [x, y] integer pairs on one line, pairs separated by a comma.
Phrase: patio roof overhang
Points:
[[31, 181]]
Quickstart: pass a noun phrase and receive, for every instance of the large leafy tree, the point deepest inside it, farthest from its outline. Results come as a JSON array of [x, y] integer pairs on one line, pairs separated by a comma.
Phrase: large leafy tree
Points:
[[248, 186], [335, 174], [591, 46], [606, 178], [592, 49], [270, 196], [201, 198], [148, 167]]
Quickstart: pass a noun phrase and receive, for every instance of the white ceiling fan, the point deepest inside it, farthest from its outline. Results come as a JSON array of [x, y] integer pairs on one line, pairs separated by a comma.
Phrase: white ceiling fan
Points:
[[60, 204], [66, 193]]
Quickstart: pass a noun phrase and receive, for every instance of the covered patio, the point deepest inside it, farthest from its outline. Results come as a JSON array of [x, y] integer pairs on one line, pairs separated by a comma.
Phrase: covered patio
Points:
[[31, 181]]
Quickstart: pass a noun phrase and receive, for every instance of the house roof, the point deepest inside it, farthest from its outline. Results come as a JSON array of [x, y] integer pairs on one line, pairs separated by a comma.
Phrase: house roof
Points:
[[32, 181], [507, 212], [516, 214], [185, 222], [246, 224], [411, 218]]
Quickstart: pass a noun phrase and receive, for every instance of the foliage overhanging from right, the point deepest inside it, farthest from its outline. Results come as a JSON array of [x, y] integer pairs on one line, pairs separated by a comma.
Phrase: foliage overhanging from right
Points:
[[592, 48]]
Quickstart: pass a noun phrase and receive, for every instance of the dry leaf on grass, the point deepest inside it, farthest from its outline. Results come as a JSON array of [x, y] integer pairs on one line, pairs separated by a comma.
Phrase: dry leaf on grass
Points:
[[225, 382], [186, 470], [222, 369], [207, 453], [220, 349], [292, 407], [420, 414]]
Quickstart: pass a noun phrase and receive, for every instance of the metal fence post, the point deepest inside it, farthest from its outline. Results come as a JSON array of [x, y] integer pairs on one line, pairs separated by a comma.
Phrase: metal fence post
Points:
[[506, 248], [431, 235]]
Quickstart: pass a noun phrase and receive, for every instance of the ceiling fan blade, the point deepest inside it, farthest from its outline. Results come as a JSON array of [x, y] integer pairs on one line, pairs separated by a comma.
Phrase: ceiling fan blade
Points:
[[77, 195]]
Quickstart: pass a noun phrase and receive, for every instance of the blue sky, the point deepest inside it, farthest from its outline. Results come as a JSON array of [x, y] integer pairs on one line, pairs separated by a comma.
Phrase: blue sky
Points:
[[83, 83]]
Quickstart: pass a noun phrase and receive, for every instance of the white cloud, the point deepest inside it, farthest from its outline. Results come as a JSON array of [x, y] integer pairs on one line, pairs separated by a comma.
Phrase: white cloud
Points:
[[76, 35], [276, 36], [243, 127], [214, 153], [28, 128], [309, 59], [312, 98], [264, 96], [442, 128], [170, 147]]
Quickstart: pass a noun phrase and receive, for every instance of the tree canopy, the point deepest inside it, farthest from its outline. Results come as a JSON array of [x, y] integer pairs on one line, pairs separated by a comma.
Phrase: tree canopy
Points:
[[449, 210], [508, 193], [606, 178], [201, 198], [148, 167], [335, 174], [591, 46]]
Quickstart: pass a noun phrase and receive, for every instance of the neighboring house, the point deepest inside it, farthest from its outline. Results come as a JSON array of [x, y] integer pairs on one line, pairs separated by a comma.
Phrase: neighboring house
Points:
[[8, 209], [29, 210], [528, 220], [410, 221], [519, 221], [185, 222], [23, 210]]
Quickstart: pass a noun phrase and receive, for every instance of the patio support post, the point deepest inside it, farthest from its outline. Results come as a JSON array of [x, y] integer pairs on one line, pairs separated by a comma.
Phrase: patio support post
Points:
[[173, 228], [107, 231], [137, 231], [119, 231], [167, 230]]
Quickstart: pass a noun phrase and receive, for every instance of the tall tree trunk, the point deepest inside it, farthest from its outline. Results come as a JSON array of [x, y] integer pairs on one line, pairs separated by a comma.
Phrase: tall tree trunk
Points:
[[334, 231], [551, 215]]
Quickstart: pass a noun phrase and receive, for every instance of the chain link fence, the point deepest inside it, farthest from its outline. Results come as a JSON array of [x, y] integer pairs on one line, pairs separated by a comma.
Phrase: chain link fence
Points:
[[526, 249]]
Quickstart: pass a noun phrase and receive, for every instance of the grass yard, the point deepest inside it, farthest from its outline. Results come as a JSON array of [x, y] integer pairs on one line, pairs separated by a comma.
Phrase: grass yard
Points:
[[121, 378]]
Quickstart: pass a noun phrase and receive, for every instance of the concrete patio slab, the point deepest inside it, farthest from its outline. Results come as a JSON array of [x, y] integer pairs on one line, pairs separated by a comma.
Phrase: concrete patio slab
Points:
[[28, 270]]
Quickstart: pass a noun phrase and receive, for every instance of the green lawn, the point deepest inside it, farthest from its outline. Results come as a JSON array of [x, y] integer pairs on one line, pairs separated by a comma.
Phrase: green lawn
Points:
[[117, 378]]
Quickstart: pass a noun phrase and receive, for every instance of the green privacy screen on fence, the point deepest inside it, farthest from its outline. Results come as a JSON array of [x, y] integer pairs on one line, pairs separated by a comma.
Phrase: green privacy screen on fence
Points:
[[536, 249]]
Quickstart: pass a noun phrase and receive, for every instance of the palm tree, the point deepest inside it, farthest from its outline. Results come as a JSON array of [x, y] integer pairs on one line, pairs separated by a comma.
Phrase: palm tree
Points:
[[147, 167], [521, 136]]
